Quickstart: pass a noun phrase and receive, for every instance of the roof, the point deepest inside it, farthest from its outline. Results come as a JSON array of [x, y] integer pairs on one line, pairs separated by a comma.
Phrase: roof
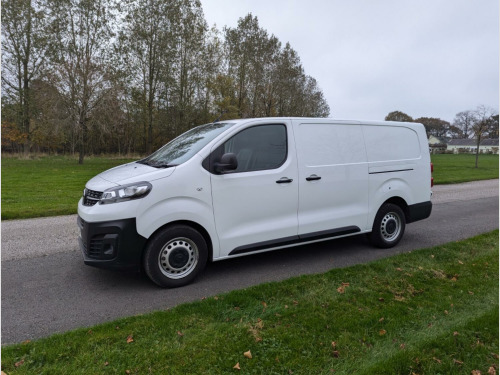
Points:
[[473, 142]]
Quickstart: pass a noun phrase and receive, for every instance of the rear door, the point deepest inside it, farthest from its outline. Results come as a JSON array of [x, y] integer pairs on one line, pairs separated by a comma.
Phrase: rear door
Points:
[[333, 178], [255, 207]]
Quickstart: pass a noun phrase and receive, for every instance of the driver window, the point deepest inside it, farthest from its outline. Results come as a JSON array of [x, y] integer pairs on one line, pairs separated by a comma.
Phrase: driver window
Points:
[[257, 148]]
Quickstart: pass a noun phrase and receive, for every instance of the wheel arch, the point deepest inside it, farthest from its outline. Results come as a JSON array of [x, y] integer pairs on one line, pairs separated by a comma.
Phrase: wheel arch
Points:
[[188, 223], [398, 201]]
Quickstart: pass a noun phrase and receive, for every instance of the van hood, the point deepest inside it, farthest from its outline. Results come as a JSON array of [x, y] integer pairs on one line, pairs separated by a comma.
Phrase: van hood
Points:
[[125, 174]]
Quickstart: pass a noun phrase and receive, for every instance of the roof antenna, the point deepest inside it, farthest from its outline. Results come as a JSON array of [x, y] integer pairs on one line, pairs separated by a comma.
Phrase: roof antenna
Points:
[[222, 113]]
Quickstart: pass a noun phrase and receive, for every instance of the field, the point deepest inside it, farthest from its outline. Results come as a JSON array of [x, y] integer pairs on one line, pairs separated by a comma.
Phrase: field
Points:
[[453, 169], [431, 311], [49, 186]]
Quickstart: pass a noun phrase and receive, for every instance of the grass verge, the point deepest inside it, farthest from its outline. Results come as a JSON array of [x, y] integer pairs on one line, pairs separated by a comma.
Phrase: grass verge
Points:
[[432, 311], [453, 169], [47, 186]]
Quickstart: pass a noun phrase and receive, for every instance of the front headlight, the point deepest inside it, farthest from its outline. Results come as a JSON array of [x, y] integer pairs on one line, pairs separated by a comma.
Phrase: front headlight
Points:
[[126, 192]]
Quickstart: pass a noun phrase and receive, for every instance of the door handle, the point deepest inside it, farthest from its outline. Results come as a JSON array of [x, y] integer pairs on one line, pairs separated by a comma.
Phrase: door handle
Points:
[[284, 180], [313, 177]]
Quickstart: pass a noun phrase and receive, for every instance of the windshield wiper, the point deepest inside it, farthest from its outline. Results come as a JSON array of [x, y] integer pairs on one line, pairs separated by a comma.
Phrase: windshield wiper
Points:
[[165, 165]]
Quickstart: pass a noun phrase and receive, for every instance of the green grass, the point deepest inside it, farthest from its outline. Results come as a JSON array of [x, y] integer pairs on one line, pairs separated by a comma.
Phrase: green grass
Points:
[[47, 186], [432, 311], [452, 169]]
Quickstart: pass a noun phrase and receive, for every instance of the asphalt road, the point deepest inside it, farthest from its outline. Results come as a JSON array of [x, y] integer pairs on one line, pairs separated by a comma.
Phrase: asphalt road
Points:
[[46, 288]]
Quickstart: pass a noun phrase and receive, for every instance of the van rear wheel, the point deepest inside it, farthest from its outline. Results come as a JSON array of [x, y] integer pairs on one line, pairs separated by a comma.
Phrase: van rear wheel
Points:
[[175, 256], [388, 226]]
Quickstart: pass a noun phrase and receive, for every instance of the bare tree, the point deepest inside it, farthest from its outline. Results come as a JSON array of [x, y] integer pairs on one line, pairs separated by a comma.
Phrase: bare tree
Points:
[[80, 70], [464, 121], [483, 117], [24, 45]]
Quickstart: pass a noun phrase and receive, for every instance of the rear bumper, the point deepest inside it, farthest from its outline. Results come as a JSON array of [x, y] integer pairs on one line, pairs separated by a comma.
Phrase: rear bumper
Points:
[[419, 211], [111, 244]]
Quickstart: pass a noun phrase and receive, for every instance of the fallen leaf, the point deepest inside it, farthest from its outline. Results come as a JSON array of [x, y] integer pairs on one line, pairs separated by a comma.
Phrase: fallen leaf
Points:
[[399, 269], [345, 284], [382, 332], [437, 360], [471, 293], [432, 256], [237, 308], [117, 328], [20, 363], [295, 303], [475, 372], [402, 346], [259, 324], [457, 362], [460, 262], [28, 341], [494, 355], [492, 371], [130, 339], [128, 372], [381, 299], [335, 353], [286, 306], [381, 320], [180, 333], [248, 354], [446, 312], [341, 290], [334, 344], [455, 333], [106, 363], [216, 298], [264, 304], [237, 366], [399, 298]]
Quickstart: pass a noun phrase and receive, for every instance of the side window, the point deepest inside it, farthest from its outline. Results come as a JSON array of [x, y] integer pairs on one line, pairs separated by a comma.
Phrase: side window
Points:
[[257, 148]]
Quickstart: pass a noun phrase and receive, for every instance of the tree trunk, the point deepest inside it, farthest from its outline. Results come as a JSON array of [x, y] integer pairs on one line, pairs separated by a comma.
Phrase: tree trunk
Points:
[[83, 136], [477, 148]]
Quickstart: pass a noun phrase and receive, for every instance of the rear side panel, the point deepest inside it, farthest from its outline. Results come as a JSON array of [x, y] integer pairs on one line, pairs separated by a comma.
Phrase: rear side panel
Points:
[[398, 164]]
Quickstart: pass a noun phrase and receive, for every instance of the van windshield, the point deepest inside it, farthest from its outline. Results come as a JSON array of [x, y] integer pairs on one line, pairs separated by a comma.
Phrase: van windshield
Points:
[[182, 148]]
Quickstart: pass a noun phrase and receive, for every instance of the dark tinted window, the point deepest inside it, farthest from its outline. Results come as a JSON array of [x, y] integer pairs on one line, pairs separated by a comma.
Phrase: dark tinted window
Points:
[[257, 148]]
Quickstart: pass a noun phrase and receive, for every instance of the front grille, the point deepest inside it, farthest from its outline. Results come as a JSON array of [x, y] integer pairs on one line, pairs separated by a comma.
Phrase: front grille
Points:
[[91, 197]]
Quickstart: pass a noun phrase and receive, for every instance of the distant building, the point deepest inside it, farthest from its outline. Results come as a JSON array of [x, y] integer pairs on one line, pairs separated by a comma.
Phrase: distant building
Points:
[[464, 146], [437, 145]]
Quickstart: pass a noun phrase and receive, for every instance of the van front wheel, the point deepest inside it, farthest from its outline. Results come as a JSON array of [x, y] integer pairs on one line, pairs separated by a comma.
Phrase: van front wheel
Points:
[[388, 227], [175, 256]]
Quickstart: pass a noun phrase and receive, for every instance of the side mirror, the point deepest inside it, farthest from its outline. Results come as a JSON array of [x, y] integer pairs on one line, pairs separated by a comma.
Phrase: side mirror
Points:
[[228, 162]]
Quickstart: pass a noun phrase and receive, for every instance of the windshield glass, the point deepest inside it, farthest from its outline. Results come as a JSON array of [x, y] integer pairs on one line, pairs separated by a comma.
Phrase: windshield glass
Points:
[[185, 146]]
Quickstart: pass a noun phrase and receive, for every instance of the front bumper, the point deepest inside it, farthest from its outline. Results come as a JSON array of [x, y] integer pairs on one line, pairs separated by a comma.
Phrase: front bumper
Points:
[[111, 244]]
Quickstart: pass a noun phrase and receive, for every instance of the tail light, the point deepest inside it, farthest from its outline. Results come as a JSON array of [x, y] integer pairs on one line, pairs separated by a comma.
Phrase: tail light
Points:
[[432, 178]]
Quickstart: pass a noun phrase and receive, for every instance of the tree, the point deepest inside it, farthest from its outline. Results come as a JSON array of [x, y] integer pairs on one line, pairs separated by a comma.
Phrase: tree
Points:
[[484, 119], [464, 121], [24, 46], [434, 126], [81, 70], [398, 116]]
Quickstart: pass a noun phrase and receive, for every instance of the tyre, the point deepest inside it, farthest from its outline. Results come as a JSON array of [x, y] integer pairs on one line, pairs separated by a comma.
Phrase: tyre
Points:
[[175, 256], [388, 227]]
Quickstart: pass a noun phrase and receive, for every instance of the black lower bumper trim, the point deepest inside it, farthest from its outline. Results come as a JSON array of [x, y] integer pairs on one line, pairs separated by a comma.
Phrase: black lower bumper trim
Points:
[[419, 211], [293, 240], [111, 244]]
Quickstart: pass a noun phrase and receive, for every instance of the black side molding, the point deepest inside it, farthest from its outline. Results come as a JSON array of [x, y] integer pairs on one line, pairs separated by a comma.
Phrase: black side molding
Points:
[[293, 240], [419, 211]]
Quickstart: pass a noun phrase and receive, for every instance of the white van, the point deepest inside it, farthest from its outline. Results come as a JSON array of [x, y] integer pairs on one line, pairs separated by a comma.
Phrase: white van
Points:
[[240, 187]]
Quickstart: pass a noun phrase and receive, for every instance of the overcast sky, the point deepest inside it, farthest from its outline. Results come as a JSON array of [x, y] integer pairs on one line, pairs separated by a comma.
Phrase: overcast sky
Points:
[[427, 58]]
